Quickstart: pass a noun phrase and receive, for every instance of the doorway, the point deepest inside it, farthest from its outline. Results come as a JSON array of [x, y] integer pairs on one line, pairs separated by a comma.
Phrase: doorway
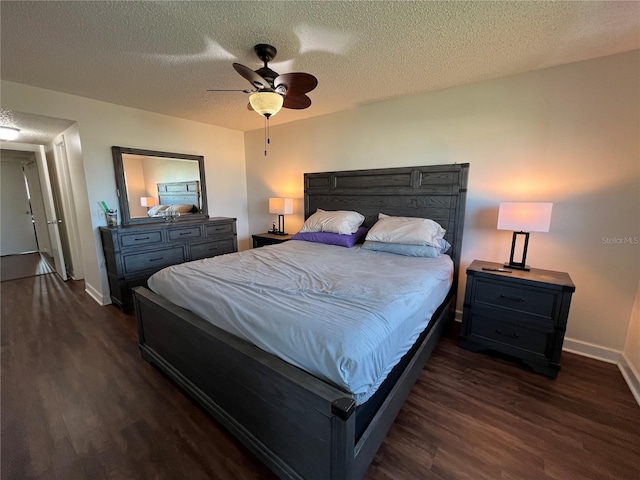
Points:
[[23, 251], [27, 193], [55, 144]]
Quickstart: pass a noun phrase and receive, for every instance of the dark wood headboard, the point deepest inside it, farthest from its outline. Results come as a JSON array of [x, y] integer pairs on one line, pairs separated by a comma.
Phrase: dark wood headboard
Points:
[[180, 193], [437, 192]]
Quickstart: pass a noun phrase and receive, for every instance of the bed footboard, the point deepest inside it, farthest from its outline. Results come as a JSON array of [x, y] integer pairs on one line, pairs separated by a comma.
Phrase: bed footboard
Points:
[[298, 425]]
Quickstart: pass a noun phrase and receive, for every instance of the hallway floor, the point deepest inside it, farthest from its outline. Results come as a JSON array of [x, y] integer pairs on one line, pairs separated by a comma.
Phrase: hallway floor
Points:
[[25, 265]]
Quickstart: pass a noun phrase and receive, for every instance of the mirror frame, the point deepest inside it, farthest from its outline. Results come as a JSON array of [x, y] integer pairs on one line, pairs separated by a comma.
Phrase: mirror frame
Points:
[[121, 186]]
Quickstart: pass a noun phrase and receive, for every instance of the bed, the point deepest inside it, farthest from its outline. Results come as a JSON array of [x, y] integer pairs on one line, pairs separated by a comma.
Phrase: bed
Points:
[[303, 425], [182, 197]]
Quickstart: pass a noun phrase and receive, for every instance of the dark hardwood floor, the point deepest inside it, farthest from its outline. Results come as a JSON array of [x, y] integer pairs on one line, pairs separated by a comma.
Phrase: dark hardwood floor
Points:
[[24, 265], [78, 402]]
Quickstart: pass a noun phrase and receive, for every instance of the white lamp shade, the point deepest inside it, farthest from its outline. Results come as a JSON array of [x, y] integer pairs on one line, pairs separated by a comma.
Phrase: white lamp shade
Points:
[[266, 103], [524, 216], [147, 201], [281, 206]]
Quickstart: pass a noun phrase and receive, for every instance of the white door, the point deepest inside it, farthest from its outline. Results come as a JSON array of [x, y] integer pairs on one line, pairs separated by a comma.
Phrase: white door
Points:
[[18, 235], [37, 206], [51, 215]]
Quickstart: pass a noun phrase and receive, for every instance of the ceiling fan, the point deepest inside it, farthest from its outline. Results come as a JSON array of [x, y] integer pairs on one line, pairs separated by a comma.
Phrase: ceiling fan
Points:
[[272, 91]]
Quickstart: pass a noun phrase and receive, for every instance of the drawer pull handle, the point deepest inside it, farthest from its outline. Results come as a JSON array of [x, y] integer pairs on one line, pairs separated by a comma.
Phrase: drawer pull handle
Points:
[[184, 233], [219, 229], [213, 248], [510, 335], [141, 238], [514, 299], [155, 259]]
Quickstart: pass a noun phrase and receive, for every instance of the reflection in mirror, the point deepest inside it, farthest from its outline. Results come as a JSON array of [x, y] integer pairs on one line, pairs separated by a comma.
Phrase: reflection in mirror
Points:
[[152, 183], [146, 178]]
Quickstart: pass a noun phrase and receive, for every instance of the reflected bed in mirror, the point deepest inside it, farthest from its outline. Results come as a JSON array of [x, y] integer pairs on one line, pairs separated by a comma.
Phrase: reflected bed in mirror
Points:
[[151, 183]]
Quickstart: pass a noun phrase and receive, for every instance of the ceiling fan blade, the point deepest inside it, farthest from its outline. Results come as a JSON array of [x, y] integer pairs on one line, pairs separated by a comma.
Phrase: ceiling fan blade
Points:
[[297, 102], [254, 79], [224, 90], [296, 83]]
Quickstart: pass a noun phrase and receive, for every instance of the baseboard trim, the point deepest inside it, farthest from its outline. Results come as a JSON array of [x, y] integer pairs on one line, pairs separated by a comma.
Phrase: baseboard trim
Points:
[[96, 295], [631, 376], [592, 351]]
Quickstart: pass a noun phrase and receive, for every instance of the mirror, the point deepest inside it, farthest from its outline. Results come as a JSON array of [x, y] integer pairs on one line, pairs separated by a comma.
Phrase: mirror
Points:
[[148, 181]]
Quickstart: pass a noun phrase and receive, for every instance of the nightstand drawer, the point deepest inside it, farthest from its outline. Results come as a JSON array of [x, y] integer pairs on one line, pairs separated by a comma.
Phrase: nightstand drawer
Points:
[[503, 333], [138, 262], [531, 300], [183, 233], [137, 239], [211, 249]]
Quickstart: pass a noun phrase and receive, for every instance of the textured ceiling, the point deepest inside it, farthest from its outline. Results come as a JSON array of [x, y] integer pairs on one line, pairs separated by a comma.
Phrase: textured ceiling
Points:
[[34, 129], [162, 56]]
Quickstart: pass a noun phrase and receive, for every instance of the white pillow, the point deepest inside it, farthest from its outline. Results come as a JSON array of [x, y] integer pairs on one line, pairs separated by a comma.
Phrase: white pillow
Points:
[[340, 221], [180, 208], [153, 211], [406, 230]]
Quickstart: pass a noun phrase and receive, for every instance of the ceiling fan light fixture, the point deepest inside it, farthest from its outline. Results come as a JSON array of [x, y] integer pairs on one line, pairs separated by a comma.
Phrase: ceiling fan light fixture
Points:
[[8, 133], [266, 104]]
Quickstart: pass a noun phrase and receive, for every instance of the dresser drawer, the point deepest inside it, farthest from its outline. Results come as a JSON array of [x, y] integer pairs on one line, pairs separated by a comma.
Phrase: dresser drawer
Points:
[[155, 260], [211, 249], [220, 229], [184, 233], [531, 300], [137, 239]]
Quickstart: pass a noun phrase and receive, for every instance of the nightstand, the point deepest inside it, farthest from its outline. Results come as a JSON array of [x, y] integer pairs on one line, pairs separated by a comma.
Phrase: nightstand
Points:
[[262, 239], [522, 314]]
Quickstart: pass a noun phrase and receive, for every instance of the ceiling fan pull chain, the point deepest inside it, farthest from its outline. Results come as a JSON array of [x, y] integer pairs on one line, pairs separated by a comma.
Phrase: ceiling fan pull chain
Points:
[[266, 137], [268, 132]]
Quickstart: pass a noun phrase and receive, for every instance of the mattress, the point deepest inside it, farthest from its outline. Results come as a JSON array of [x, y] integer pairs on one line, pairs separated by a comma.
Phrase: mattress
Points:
[[345, 315]]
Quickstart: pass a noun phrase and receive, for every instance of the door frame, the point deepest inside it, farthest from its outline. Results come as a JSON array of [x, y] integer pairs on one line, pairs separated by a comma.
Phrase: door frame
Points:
[[65, 190]]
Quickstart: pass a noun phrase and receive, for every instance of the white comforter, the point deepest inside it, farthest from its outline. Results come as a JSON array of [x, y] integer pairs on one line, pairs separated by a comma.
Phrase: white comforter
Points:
[[345, 315]]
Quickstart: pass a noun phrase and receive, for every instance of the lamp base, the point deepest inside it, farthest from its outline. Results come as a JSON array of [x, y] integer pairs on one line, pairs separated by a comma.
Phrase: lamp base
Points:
[[279, 230], [512, 263], [517, 266]]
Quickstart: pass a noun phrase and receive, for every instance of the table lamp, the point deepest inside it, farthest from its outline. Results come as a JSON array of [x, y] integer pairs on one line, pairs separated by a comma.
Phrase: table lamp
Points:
[[522, 218], [147, 202], [282, 207]]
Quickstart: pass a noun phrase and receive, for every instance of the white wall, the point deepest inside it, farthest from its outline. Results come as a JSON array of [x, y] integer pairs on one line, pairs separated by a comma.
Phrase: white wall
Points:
[[102, 125], [568, 135]]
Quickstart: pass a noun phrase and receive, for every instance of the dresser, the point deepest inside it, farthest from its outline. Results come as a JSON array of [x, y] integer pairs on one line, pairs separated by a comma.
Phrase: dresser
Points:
[[133, 253], [519, 313]]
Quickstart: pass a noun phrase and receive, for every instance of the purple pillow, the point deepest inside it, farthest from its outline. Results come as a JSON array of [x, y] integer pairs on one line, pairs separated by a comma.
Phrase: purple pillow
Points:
[[333, 238]]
